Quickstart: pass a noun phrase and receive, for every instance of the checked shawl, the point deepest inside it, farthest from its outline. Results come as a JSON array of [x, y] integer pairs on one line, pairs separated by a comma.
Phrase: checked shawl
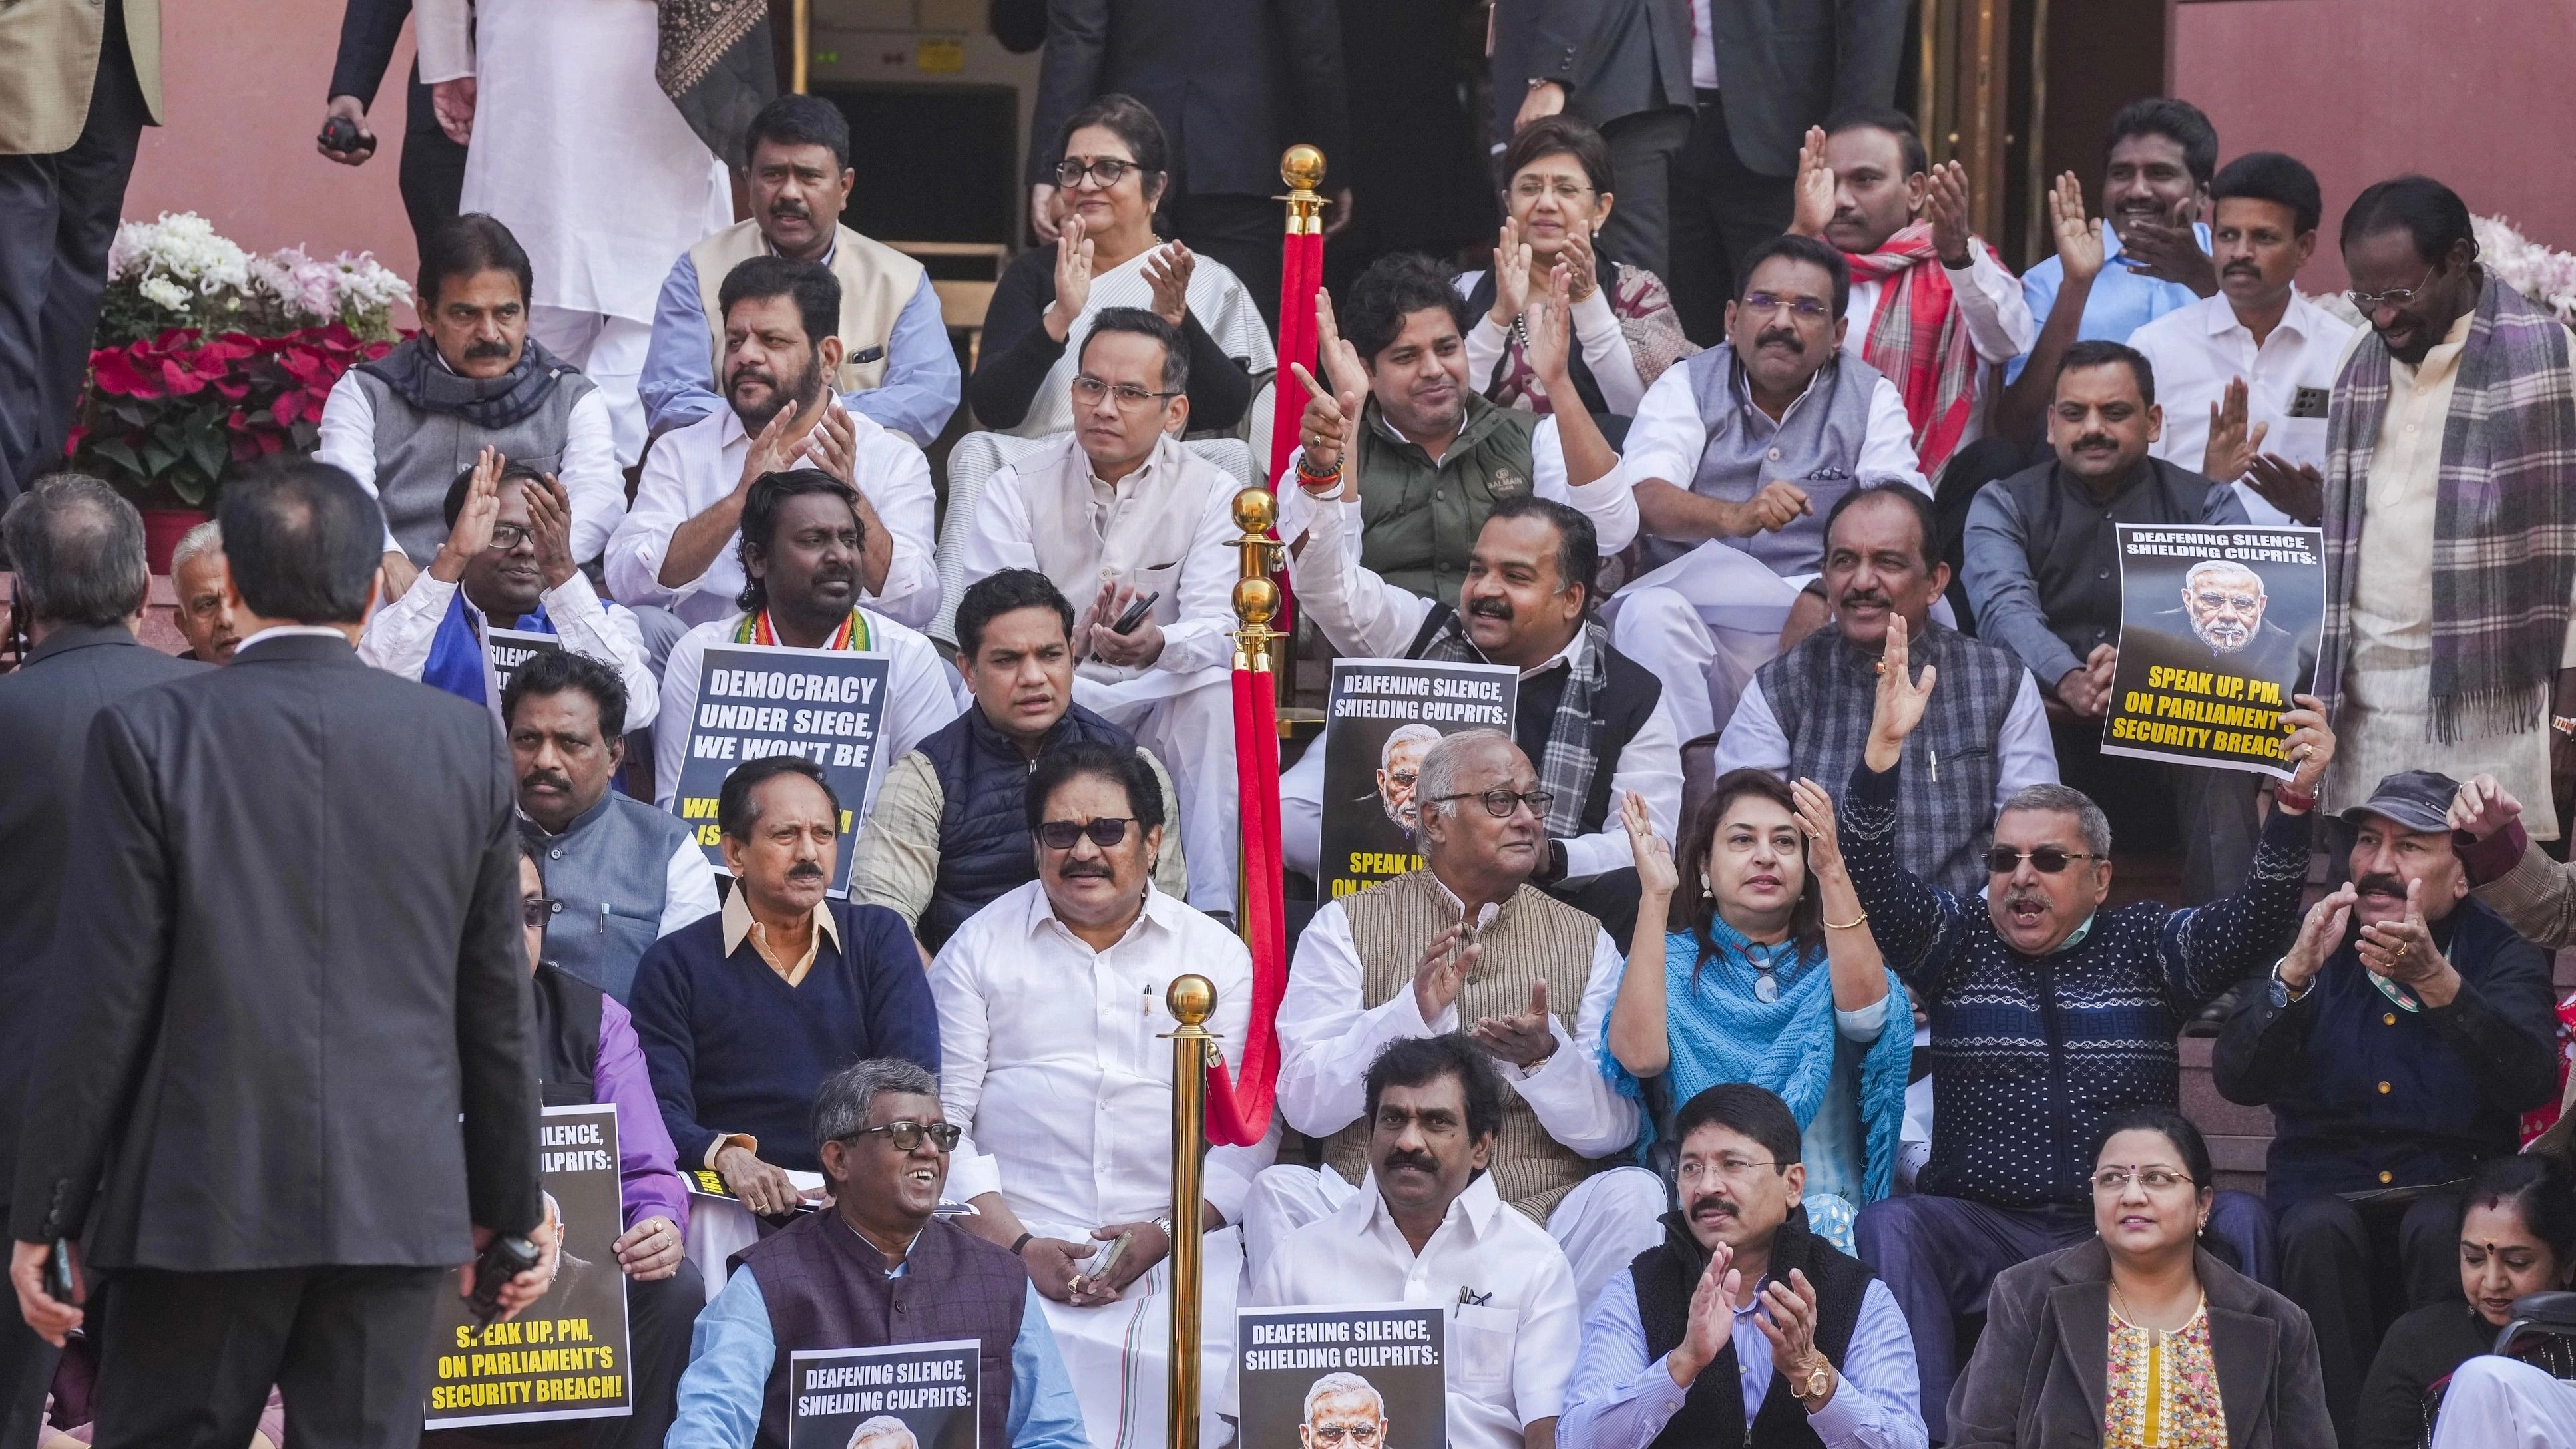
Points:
[[1566, 772], [1918, 339], [2504, 546]]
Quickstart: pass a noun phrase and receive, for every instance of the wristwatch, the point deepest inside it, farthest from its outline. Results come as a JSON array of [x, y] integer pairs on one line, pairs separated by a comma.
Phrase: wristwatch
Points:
[[2281, 993], [1818, 1383]]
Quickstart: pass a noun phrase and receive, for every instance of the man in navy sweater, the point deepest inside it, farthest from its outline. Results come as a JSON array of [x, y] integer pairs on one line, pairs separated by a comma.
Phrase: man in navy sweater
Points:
[[744, 1013], [2049, 1011]]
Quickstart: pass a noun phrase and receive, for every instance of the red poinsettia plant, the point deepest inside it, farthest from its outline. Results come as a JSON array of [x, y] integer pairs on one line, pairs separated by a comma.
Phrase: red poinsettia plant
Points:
[[172, 413]]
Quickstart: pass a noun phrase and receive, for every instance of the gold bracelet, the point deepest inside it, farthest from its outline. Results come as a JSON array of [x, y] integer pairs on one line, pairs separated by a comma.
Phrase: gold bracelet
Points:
[[1861, 919]]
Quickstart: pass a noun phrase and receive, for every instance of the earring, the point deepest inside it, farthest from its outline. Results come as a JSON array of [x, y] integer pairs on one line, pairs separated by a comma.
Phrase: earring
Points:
[[1704, 887]]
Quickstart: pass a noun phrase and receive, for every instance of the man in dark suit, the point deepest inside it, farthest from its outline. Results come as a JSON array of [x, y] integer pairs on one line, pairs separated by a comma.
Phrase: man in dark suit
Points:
[[1234, 82], [1624, 66], [81, 582], [433, 167], [287, 1060]]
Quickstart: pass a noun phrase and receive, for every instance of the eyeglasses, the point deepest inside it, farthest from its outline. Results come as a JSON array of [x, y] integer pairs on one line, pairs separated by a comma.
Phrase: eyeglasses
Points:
[[2047, 860], [535, 911], [1805, 309], [907, 1135], [1732, 1169], [1531, 188], [1105, 832], [2153, 1179], [1107, 171], [1368, 1433], [2368, 302], [1089, 390], [507, 536], [1499, 803]]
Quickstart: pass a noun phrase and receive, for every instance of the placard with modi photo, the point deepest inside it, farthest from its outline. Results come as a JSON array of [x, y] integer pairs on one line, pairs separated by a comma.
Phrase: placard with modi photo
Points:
[[2219, 627], [759, 700], [1381, 717], [1366, 1376], [900, 1396]]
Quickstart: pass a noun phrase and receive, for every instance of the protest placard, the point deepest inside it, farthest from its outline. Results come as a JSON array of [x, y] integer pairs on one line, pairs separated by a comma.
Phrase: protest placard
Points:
[[564, 1356], [759, 700], [904, 1396], [511, 648], [1366, 1376], [1380, 718], [2218, 631]]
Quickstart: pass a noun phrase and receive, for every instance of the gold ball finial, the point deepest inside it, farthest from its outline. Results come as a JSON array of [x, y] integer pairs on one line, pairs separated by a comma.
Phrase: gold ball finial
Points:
[[1255, 510], [1192, 999], [1302, 167], [1256, 601]]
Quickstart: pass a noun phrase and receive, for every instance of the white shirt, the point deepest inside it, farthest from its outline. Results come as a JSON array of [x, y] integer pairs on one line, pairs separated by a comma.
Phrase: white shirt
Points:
[[1605, 500], [692, 469], [1068, 1045], [1596, 331], [2024, 752], [1201, 599], [922, 696], [1365, 617], [1326, 1042], [1669, 435], [1509, 1353], [1990, 304], [399, 636], [2197, 350], [588, 470], [1703, 48]]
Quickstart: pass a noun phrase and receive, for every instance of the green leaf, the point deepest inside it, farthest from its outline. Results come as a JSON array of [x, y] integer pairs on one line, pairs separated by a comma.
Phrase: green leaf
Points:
[[158, 456], [116, 451], [190, 490], [206, 449]]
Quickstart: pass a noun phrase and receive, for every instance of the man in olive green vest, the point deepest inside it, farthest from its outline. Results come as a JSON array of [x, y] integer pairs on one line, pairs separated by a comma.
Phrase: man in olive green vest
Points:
[[1467, 944]]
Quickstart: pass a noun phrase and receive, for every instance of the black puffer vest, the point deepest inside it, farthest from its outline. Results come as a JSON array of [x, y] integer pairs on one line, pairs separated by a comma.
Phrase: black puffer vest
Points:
[[984, 849]]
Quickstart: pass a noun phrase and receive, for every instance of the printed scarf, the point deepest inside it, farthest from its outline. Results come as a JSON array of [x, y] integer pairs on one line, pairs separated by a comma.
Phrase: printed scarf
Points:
[[417, 375], [852, 635], [1566, 772], [2504, 534], [714, 59], [1918, 339]]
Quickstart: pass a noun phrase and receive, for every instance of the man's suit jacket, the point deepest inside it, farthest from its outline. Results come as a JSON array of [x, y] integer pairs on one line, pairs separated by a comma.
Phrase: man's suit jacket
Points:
[[289, 959], [1615, 58], [369, 32], [1234, 82], [48, 58], [45, 713]]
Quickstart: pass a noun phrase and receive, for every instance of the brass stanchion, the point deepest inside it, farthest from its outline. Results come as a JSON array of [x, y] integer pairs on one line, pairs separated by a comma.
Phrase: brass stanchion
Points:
[[1192, 1000], [1256, 594]]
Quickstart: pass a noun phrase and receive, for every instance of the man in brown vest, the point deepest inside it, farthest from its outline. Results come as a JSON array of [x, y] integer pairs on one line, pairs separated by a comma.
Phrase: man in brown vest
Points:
[[1467, 944]]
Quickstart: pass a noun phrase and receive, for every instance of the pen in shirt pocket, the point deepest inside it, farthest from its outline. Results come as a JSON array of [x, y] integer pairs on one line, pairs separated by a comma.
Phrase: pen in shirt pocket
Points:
[[603, 916]]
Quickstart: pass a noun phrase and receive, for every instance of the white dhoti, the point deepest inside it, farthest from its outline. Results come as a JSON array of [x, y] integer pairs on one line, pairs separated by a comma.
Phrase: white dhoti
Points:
[[1603, 1224], [1702, 624], [2504, 1403], [1187, 722], [610, 352], [1119, 1354]]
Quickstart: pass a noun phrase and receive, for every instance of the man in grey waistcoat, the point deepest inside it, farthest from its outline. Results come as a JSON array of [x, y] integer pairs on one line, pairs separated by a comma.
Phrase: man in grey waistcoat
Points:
[[406, 424], [1736, 456], [620, 874]]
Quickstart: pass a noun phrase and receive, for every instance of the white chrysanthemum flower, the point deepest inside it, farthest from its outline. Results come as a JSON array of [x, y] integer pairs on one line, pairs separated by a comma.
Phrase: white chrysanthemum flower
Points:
[[162, 292]]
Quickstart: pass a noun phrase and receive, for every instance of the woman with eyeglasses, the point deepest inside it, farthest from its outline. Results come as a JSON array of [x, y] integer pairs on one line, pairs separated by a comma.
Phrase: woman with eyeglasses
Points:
[[1753, 962], [1109, 177], [2141, 1338], [2517, 1236], [1626, 332]]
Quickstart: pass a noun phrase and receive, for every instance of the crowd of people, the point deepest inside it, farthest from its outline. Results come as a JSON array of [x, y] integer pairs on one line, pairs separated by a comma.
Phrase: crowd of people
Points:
[[1794, 511]]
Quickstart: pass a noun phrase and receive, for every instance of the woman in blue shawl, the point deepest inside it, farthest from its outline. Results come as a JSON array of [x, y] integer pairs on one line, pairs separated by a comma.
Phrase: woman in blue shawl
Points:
[[1768, 975]]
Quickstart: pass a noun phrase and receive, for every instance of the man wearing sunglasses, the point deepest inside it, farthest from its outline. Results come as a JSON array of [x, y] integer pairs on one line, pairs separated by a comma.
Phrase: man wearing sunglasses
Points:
[[1123, 519], [876, 1268], [2049, 1010]]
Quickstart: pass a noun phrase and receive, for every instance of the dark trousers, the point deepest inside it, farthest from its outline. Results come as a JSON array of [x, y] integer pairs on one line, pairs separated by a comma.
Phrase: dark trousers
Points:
[[2209, 815], [1643, 151], [186, 1359], [26, 1370], [2356, 1269], [1939, 1255], [1722, 209], [1244, 232], [58, 214], [433, 167]]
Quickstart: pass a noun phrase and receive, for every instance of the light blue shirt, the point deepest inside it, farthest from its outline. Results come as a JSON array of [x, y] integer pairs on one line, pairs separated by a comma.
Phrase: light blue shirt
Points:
[[2121, 302], [731, 1352], [1618, 1400], [921, 385]]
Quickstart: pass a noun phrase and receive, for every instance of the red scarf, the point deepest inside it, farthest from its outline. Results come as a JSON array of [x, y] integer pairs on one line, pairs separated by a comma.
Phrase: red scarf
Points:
[[1919, 340]]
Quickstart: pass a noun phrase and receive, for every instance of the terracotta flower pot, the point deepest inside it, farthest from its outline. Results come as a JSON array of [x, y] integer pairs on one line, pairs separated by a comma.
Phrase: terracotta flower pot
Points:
[[162, 530]]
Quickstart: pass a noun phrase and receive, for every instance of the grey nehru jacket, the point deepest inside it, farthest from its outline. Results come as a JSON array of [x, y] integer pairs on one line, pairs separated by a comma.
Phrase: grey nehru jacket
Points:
[[1816, 444]]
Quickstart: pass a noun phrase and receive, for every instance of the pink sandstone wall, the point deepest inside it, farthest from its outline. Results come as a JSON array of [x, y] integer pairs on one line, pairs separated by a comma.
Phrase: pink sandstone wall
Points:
[[243, 95], [2474, 92]]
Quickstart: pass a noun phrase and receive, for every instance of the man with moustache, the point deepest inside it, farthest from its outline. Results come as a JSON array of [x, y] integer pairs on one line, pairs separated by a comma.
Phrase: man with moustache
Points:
[[2221, 626], [896, 366], [2245, 375], [744, 1013], [620, 874], [2449, 486], [1751, 444], [507, 564], [947, 835], [1431, 1228], [676, 550], [2395, 1055], [204, 615], [2049, 1010], [1805, 715], [1339, 1407], [408, 423], [1743, 1328], [2043, 567], [874, 1269]]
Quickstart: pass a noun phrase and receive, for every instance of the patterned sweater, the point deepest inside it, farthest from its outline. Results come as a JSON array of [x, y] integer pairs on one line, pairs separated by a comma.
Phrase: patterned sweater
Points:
[[2029, 1054]]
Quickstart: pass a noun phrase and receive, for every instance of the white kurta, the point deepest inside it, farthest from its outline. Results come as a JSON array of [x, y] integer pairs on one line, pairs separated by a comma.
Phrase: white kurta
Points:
[[575, 148]]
